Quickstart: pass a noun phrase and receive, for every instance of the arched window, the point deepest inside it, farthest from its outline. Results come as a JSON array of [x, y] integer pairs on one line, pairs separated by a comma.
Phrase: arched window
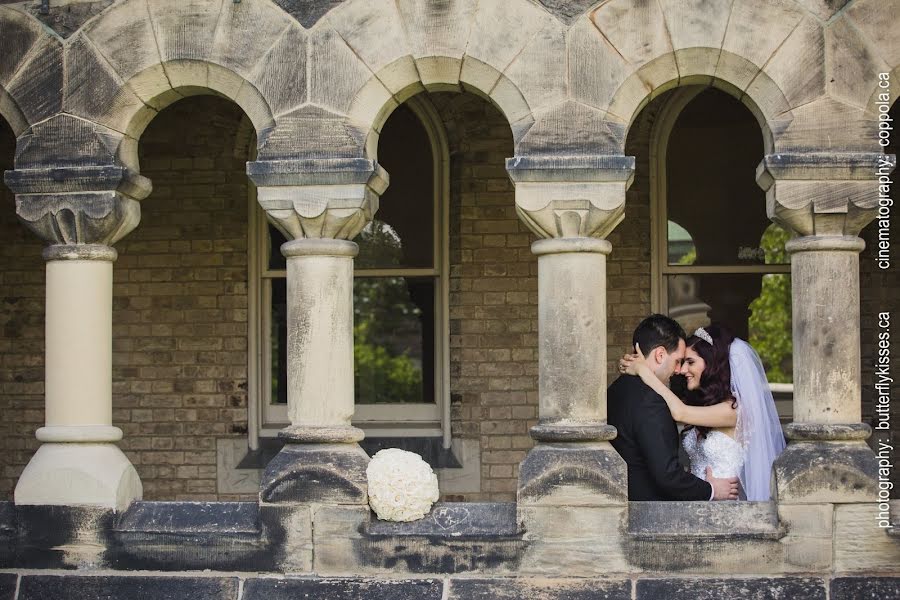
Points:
[[400, 292], [717, 255]]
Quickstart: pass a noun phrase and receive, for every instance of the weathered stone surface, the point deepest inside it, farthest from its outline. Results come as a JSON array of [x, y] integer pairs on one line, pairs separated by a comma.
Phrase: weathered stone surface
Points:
[[328, 135], [245, 32], [807, 588], [60, 537], [587, 474], [307, 12], [67, 18], [851, 66], [857, 588], [569, 128], [826, 472], [186, 33], [66, 141], [89, 218], [288, 531], [539, 589], [125, 38], [827, 125], [38, 84], [807, 545], [798, 66], [179, 536], [567, 10], [455, 520], [8, 582], [95, 92], [596, 69], [68, 587], [316, 473], [437, 33], [343, 589], [652, 50], [17, 34], [539, 71], [877, 21], [695, 24], [9, 530], [757, 28], [683, 520], [281, 74], [860, 545], [824, 9]]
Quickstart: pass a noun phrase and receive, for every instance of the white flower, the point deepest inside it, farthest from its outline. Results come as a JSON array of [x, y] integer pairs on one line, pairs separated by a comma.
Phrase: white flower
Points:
[[402, 486]]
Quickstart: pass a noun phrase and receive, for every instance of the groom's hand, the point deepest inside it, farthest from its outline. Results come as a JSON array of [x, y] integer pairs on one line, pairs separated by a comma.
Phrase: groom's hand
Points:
[[723, 489]]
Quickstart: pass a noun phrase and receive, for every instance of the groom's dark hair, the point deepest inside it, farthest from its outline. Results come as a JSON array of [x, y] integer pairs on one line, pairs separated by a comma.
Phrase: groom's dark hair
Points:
[[658, 330]]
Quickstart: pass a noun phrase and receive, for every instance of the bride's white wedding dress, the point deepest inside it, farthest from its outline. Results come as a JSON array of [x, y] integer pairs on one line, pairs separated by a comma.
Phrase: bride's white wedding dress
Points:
[[717, 450]]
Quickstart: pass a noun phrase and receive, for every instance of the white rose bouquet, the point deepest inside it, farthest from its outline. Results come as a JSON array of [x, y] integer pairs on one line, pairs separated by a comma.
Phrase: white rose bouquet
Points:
[[402, 486]]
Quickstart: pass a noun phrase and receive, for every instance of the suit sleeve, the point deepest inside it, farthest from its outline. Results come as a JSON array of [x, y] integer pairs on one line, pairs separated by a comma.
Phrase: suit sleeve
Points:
[[658, 440]]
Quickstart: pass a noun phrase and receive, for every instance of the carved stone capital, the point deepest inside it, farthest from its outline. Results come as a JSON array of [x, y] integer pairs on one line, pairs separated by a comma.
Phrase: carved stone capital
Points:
[[328, 198], [571, 196], [96, 205], [824, 194]]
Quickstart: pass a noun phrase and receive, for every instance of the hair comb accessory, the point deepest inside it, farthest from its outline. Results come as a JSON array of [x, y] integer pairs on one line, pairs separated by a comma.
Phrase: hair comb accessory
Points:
[[703, 335]]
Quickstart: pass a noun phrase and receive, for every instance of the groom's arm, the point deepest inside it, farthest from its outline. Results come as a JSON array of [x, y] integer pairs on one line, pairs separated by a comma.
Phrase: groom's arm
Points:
[[658, 440]]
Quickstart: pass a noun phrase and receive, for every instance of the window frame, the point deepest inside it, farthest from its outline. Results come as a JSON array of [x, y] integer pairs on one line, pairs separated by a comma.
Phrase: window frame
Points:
[[660, 268], [397, 420]]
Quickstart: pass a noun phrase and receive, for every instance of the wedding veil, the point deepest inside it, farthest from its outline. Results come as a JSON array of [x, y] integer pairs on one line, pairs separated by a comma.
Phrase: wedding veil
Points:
[[758, 429]]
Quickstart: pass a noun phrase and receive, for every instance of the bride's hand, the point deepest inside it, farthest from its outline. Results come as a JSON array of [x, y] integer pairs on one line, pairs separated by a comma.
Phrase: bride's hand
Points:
[[630, 363]]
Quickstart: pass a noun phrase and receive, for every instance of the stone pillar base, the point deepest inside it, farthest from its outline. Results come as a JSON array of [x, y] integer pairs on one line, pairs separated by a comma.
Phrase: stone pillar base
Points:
[[578, 474], [79, 475], [821, 471], [316, 473]]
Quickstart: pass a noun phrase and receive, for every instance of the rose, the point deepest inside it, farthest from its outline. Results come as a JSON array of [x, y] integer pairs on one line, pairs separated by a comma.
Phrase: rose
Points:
[[402, 486]]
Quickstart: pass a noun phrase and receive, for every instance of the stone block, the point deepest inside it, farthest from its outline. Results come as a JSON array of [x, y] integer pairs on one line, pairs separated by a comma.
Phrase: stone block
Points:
[[834, 472], [695, 23], [798, 66], [61, 537], [569, 128], [328, 135], [8, 582], [683, 520], [127, 53], [187, 33], [18, 33], [38, 84], [826, 125], [437, 29], [178, 536], [336, 74], [768, 588], [114, 587], [343, 589], [878, 22], [94, 91], [757, 28], [281, 75], [539, 71], [316, 473], [851, 67], [66, 141], [808, 544], [854, 588], [453, 520], [588, 474], [288, 531], [539, 588], [861, 546], [824, 9], [500, 30], [509, 99], [244, 33], [596, 69]]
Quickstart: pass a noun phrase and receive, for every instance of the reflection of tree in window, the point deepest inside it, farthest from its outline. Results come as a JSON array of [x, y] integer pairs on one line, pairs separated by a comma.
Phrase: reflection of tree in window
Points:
[[770, 321]]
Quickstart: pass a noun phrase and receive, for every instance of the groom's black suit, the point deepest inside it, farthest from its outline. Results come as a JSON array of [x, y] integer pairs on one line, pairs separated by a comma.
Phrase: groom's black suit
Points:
[[648, 441]]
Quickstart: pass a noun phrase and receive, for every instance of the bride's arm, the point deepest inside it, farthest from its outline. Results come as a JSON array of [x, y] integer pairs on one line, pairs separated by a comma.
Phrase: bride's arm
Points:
[[717, 415]]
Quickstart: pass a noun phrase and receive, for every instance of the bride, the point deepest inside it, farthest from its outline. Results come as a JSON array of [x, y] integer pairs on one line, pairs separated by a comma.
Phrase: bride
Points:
[[734, 427]]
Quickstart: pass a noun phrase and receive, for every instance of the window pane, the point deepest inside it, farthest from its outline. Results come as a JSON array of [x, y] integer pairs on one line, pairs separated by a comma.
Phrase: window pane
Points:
[[277, 261], [755, 307], [713, 202], [393, 339], [279, 340], [402, 234]]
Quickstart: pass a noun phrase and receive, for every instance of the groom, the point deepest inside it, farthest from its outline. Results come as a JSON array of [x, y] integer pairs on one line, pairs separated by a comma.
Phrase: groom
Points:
[[647, 437]]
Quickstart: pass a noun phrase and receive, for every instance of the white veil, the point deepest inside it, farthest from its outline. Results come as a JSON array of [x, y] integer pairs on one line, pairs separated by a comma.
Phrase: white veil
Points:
[[758, 429]]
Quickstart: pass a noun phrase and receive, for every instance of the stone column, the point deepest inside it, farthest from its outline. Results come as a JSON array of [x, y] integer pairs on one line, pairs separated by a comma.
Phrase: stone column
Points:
[[825, 200], [81, 212], [319, 205], [573, 203]]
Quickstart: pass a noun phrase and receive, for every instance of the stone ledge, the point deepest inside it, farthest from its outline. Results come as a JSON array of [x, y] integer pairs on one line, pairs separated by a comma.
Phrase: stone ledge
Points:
[[756, 588], [482, 520], [239, 518], [68, 587], [343, 589], [8, 586], [692, 521], [852, 588], [543, 588]]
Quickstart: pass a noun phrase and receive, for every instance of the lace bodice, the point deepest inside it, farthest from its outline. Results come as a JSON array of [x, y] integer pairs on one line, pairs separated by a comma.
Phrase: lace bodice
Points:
[[718, 450]]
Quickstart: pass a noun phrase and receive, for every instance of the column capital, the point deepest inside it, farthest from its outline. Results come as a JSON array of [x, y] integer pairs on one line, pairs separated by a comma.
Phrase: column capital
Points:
[[319, 198], [571, 196], [824, 193], [95, 205]]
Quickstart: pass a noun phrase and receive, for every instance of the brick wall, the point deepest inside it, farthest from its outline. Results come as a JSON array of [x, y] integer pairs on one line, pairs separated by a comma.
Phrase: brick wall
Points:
[[21, 332]]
